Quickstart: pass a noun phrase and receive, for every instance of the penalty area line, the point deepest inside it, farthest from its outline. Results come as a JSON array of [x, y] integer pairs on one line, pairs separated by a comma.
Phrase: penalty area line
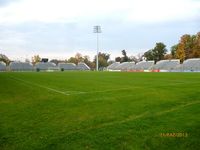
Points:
[[41, 86], [92, 92], [67, 93]]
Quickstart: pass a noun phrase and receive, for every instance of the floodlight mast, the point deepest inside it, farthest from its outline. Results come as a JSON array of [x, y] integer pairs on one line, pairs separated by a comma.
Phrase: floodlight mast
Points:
[[97, 30]]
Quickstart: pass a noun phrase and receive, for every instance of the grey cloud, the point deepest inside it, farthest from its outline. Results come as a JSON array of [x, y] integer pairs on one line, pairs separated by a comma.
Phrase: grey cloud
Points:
[[77, 37]]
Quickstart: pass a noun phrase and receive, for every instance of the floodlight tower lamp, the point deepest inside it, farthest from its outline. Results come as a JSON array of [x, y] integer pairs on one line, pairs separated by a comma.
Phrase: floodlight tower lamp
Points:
[[97, 30]]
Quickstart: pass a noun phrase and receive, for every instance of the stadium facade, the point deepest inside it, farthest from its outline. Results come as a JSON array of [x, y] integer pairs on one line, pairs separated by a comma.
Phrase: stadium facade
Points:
[[43, 66], [173, 65]]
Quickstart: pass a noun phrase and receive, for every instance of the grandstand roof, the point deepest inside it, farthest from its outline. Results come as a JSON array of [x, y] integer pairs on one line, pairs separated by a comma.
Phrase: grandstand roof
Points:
[[67, 66], [2, 66], [82, 66], [20, 66], [45, 66]]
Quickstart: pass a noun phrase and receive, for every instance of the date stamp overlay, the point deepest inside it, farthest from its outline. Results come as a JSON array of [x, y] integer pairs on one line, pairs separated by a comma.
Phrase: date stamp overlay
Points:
[[175, 134]]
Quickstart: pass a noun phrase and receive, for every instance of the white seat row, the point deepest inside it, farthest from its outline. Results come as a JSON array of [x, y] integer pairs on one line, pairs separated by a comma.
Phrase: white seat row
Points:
[[191, 65], [23, 66], [44, 65], [20, 66], [168, 65], [144, 65], [2, 66]]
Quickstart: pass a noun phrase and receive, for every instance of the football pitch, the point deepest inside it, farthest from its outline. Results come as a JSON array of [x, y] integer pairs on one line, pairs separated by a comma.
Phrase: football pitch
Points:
[[99, 110]]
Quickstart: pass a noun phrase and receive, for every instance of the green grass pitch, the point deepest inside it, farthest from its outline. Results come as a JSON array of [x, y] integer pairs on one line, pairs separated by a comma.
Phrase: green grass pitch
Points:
[[99, 110]]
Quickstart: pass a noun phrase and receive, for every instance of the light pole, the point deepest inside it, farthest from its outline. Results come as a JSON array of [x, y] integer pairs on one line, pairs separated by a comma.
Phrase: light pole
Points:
[[97, 30]]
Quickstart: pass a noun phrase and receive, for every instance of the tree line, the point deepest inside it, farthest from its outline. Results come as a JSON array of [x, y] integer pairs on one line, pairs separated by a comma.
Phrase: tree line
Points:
[[103, 60], [187, 47], [102, 57]]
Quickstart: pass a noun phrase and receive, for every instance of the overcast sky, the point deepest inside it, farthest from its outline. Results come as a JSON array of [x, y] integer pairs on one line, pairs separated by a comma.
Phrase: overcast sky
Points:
[[61, 28]]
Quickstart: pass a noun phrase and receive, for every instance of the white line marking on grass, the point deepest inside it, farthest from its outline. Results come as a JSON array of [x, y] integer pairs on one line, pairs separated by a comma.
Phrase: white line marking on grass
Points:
[[176, 108], [132, 118], [74, 92], [41, 86], [99, 126], [103, 91], [64, 92], [109, 90]]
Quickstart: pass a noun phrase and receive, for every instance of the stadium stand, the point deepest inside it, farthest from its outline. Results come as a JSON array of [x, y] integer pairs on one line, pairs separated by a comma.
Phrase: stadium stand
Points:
[[168, 65], [20, 66], [130, 66], [163, 66], [45, 66], [113, 66], [144, 65], [179, 68], [2, 66], [82, 66], [67, 66], [125, 66], [122, 66], [191, 65]]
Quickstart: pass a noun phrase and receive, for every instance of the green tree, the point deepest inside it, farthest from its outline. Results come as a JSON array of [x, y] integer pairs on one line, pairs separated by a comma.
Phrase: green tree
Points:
[[88, 62], [36, 59], [118, 59], [103, 59], [79, 57], [5, 59], [168, 56], [76, 59], [134, 59], [149, 55], [174, 50], [159, 51], [72, 60], [125, 57]]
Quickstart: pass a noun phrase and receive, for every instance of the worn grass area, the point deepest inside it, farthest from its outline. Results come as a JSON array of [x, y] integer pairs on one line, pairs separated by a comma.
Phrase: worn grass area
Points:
[[99, 110]]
